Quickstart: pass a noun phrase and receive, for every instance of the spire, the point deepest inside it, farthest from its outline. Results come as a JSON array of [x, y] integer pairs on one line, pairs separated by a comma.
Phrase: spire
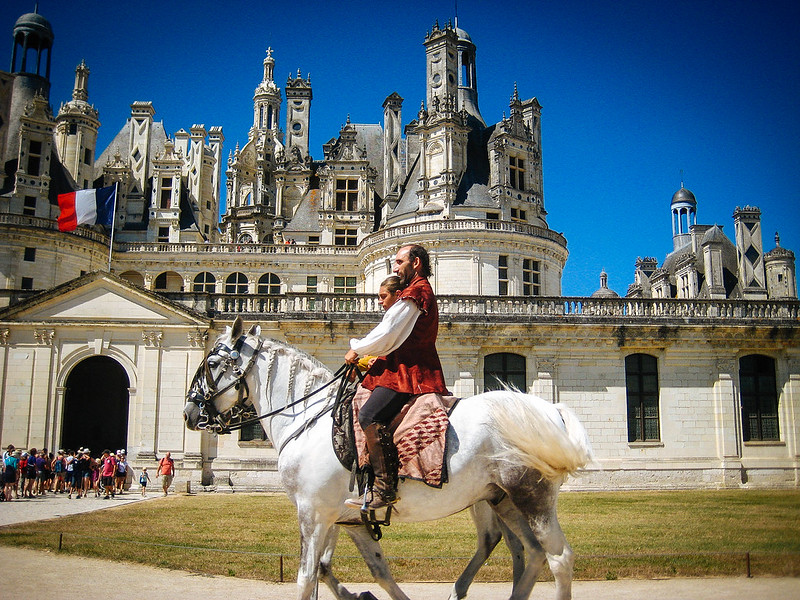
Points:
[[81, 89], [269, 66]]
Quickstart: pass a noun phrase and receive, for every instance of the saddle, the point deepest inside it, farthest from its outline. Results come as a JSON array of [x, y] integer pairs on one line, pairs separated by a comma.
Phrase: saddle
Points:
[[419, 432]]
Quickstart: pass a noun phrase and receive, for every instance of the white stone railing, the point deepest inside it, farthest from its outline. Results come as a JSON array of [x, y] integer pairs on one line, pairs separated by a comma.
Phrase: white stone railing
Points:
[[399, 233], [187, 248], [301, 306], [402, 232]]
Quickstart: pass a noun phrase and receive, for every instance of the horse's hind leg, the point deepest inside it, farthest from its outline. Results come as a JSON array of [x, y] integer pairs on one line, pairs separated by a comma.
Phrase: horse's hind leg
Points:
[[489, 534], [517, 549], [373, 555], [490, 529], [522, 540], [325, 573], [536, 500]]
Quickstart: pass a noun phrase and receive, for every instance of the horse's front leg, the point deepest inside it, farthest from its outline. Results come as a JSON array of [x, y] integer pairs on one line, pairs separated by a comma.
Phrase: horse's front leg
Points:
[[313, 537], [325, 573], [372, 554]]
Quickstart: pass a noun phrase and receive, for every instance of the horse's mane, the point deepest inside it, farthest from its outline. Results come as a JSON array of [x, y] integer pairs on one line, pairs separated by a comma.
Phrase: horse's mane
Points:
[[313, 365]]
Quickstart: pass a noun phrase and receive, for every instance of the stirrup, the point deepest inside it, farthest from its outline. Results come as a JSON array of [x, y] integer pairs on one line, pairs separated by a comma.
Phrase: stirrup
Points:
[[372, 523]]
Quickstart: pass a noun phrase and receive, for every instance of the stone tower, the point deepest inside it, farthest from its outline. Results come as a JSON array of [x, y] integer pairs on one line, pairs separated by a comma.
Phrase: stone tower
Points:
[[684, 215], [780, 272], [441, 56], [267, 101], [750, 252], [298, 114], [393, 149], [76, 131], [33, 39]]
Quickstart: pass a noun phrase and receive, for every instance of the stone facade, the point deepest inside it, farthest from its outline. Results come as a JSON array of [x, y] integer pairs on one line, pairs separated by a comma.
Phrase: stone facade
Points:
[[662, 379]]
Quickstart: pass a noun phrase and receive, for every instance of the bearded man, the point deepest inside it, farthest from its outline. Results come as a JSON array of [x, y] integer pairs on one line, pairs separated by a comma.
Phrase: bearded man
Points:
[[406, 337]]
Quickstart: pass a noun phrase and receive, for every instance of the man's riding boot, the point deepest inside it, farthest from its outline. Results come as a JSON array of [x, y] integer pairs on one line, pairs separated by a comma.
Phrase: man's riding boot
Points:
[[383, 460]]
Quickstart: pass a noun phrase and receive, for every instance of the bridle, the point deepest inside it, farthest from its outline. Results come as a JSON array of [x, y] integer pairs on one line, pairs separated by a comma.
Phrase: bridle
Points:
[[204, 389]]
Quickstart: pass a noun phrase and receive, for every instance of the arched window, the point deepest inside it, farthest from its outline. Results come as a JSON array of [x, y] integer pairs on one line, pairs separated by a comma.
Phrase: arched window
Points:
[[236, 283], [168, 281], [204, 282], [269, 283], [504, 368], [133, 277], [759, 398], [641, 383]]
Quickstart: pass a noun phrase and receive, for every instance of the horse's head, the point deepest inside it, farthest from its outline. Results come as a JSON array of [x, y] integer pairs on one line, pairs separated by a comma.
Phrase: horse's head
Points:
[[219, 396]]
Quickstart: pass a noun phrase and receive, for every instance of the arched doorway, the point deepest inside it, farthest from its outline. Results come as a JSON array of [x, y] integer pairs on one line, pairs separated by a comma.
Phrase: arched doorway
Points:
[[96, 406]]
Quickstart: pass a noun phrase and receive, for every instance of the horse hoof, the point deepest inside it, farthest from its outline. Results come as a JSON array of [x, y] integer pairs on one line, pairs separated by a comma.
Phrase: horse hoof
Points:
[[366, 596]]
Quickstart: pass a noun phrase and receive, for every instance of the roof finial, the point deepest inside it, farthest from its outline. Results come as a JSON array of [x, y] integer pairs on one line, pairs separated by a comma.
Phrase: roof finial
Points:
[[681, 178], [777, 240]]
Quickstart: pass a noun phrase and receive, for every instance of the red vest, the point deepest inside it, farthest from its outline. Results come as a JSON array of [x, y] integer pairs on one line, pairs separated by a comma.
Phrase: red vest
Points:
[[413, 368]]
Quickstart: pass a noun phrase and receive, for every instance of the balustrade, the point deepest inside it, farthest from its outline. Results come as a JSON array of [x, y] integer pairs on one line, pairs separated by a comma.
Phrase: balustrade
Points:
[[302, 305]]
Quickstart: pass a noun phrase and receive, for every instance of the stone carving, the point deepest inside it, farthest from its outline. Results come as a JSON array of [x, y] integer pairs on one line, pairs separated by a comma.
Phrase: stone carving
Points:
[[152, 338], [44, 336]]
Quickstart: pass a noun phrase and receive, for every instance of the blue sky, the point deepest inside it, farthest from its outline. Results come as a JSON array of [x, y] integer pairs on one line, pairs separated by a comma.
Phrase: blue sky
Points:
[[634, 93]]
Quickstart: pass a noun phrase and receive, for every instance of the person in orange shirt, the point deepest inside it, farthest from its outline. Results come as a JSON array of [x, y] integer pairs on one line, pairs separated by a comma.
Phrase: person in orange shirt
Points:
[[166, 469]]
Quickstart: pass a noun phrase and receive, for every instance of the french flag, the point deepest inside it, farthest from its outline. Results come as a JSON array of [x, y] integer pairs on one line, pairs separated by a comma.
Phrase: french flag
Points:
[[86, 207]]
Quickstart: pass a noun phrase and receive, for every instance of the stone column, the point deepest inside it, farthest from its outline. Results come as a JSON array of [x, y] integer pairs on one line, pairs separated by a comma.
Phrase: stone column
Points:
[[4, 335], [42, 373], [193, 440], [149, 405], [789, 400], [464, 386], [544, 384], [727, 417]]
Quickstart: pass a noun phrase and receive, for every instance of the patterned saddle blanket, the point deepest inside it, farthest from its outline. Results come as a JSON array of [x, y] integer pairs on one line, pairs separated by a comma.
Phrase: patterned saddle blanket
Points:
[[420, 434]]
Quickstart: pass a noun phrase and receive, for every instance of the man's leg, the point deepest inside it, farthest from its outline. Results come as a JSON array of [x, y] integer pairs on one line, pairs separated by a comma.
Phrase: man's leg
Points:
[[377, 412]]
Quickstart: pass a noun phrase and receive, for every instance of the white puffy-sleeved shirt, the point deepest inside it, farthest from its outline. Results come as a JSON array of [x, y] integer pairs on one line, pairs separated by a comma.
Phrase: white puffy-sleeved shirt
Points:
[[391, 332]]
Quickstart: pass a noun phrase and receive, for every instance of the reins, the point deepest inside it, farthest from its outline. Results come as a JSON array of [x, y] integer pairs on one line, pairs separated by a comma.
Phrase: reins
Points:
[[340, 374], [242, 413]]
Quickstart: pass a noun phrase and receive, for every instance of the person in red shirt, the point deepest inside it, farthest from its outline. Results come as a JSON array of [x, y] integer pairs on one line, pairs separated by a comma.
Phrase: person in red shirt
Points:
[[406, 337], [108, 468]]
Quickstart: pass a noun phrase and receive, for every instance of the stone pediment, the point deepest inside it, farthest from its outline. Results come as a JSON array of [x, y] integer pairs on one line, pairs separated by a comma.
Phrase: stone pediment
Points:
[[101, 298]]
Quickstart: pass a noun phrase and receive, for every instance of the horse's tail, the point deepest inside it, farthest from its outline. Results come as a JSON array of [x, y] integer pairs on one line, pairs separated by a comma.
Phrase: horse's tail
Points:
[[539, 435]]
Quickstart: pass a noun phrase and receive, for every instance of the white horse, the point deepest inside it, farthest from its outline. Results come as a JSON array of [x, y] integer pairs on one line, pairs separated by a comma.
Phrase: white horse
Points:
[[507, 455]]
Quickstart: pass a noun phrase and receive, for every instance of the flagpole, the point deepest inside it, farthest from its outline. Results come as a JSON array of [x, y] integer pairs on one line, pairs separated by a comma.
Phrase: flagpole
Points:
[[113, 223]]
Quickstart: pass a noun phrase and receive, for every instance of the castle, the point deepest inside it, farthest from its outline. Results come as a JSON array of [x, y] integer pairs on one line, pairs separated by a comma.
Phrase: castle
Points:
[[691, 380]]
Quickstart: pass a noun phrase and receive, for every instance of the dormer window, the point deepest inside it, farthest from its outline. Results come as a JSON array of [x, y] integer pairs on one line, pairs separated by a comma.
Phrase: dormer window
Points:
[[34, 157], [519, 215], [346, 194], [516, 173], [166, 192]]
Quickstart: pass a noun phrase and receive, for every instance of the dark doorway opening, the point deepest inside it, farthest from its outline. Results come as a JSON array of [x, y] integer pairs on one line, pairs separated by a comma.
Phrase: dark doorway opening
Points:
[[96, 406]]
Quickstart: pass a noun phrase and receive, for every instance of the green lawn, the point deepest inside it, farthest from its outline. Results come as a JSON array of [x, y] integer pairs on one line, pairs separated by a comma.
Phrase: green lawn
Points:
[[619, 534]]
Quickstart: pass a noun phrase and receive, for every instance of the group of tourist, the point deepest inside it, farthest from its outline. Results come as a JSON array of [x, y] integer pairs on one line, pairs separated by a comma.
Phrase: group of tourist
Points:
[[37, 472]]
